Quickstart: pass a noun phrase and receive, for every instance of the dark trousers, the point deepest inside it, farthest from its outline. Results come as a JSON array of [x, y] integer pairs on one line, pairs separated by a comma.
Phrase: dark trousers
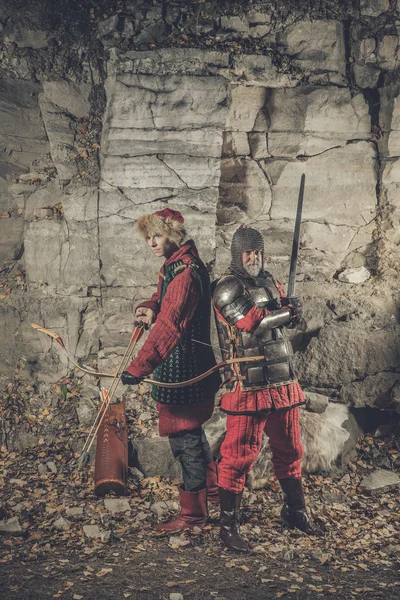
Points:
[[192, 450]]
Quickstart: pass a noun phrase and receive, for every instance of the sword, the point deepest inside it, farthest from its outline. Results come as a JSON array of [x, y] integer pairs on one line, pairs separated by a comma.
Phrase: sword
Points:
[[296, 240]]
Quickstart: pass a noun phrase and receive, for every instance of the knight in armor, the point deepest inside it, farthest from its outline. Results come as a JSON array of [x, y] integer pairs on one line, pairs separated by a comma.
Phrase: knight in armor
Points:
[[251, 312], [179, 312]]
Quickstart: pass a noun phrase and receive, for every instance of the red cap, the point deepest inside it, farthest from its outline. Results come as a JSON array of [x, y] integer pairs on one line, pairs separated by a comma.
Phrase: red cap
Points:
[[175, 215]]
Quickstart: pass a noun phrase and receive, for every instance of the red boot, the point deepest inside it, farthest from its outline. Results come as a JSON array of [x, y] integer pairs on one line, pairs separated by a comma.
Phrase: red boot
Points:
[[212, 483], [193, 512]]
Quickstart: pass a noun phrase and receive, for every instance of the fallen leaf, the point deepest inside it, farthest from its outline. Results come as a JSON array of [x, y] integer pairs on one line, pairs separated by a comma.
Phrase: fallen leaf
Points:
[[103, 572]]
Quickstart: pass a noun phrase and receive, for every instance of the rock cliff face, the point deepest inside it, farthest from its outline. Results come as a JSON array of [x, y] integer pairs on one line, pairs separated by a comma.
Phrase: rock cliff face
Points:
[[109, 110]]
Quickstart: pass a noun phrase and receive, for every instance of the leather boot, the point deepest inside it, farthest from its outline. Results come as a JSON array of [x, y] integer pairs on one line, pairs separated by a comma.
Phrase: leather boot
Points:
[[230, 515], [212, 483], [294, 510], [193, 512]]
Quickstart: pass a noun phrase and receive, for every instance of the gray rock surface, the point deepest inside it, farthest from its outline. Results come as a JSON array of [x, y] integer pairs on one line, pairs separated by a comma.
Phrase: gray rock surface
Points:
[[74, 512], [359, 352], [163, 507], [379, 480], [11, 526], [62, 523], [355, 275], [117, 505], [96, 533], [317, 46], [154, 457], [316, 403]]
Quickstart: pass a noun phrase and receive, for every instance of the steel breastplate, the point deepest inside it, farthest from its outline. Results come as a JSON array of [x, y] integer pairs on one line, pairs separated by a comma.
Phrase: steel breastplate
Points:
[[277, 367]]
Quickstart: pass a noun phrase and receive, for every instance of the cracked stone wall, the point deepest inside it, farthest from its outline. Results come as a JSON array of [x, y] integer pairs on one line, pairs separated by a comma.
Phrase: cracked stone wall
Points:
[[217, 114]]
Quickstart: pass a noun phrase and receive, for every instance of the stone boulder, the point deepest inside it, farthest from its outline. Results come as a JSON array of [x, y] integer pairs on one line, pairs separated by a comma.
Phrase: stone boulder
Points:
[[316, 47], [345, 354], [154, 457]]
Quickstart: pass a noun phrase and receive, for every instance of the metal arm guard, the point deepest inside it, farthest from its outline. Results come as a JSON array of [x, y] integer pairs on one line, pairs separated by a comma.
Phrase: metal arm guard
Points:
[[276, 319], [231, 299]]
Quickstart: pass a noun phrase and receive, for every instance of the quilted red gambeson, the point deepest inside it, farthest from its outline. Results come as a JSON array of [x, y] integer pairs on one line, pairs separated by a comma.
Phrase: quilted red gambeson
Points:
[[173, 317]]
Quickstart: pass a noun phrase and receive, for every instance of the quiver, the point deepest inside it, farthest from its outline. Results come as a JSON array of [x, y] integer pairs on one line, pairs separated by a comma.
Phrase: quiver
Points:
[[111, 465]]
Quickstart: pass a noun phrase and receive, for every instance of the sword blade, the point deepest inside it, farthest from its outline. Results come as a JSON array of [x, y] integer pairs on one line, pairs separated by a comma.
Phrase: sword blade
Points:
[[296, 240]]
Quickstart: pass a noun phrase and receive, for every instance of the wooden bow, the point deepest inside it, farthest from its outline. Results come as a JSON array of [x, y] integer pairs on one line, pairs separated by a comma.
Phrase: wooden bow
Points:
[[175, 385]]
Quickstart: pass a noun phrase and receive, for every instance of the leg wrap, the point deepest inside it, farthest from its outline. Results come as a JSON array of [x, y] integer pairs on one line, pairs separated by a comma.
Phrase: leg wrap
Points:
[[283, 431], [239, 450]]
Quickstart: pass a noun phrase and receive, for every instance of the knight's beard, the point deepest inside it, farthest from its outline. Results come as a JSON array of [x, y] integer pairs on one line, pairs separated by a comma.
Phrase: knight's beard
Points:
[[253, 269]]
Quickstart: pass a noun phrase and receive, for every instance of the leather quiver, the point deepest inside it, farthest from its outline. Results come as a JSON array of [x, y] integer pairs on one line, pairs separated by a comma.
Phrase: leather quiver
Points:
[[111, 465]]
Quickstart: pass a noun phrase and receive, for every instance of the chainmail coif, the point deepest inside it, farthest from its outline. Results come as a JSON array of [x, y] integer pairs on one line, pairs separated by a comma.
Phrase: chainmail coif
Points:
[[246, 239]]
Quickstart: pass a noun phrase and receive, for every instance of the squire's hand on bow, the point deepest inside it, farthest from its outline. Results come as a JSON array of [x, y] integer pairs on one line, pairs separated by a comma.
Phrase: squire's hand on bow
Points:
[[128, 379], [141, 324], [145, 315]]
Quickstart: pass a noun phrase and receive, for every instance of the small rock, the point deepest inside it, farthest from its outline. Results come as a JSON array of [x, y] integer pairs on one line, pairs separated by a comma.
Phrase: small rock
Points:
[[32, 177], [51, 466], [74, 511], [136, 474], [383, 462], [316, 403], [391, 549], [145, 416], [141, 516], [196, 530], [42, 469], [160, 508], [176, 541], [379, 480], [373, 8], [258, 18], [330, 498], [354, 275], [95, 533], [11, 526], [175, 596], [62, 523], [20, 482], [108, 26], [117, 505], [237, 24]]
